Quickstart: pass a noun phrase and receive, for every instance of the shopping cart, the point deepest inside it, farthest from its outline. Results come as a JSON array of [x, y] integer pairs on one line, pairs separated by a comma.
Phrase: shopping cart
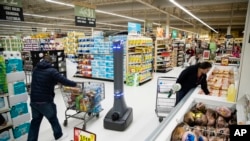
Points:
[[84, 99], [165, 96]]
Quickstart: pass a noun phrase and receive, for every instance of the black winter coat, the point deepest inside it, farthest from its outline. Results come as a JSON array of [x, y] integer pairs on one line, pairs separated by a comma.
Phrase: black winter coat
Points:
[[188, 79], [44, 79]]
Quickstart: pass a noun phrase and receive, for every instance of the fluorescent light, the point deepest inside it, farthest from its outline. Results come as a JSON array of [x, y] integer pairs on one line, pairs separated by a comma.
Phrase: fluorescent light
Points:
[[189, 13], [118, 15], [156, 24], [49, 17], [181, 29], [61, 3], [112, 24], [99, 11]]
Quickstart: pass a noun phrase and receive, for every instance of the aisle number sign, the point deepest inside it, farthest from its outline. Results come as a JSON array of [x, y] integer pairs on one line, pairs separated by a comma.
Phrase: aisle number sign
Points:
[[82, 135], [85, 16], [11, 10]]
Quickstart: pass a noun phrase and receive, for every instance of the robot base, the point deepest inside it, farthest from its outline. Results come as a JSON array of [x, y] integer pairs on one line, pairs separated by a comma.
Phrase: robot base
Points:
[[122, 123]]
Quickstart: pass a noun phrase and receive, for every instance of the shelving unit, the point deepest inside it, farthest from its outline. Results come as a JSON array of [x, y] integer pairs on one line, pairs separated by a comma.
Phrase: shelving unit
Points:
[[31, 44], [139, 60], [95, 57], [162, 55], [15, 107], [178, 53], [58, 59], [11, 43]]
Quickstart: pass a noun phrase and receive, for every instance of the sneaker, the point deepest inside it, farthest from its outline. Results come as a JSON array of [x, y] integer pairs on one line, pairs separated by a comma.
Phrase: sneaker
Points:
[[63, 137]]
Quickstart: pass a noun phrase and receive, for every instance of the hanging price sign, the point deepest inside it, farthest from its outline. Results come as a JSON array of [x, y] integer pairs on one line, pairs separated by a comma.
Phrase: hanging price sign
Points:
[[82, 135]]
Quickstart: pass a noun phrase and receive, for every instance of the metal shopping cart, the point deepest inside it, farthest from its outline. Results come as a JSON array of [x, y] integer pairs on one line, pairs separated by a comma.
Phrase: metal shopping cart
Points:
[[84, 100], [165, 96]]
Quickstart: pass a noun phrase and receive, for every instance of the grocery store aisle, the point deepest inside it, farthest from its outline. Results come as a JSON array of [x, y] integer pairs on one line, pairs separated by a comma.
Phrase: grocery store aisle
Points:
[[141, 99]]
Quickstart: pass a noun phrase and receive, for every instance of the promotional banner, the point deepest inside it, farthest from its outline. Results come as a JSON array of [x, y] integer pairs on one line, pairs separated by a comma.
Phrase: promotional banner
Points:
[[85, 16], [134, 28], [174, 34], [11, 10], [82, 135], [159, 32]]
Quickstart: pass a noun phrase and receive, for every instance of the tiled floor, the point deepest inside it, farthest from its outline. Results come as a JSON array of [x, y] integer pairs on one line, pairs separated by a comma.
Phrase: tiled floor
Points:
[[141, 98]]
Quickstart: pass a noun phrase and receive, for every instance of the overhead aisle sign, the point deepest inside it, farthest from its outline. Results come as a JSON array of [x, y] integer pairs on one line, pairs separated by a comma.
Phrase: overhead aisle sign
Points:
[[85, 16], [11, 10]]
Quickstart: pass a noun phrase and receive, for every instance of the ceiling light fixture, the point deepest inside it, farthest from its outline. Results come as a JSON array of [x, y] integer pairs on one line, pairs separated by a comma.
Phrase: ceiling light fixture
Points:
[[49, 17], [192, 15], [66, 27], [118, 15], [112, 24], [61, 3], [67, 19], [182, 29], [99, 11]]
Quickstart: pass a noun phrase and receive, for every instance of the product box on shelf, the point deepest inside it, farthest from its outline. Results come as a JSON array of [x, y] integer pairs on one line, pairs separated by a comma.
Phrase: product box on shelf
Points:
[[13, 61], [19, 109], [5, 135], [21, 130], [3, 103], [109, 70], [15, 99], [109, 75], [18, 87], [109, 63], [132, 79]]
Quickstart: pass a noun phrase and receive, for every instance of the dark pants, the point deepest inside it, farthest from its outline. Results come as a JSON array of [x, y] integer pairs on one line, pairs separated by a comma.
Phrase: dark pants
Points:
[[179, 96], [38, 110]]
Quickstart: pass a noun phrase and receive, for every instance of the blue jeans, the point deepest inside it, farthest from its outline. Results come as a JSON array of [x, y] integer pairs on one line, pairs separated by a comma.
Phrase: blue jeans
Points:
[[179, 96], [38, 110]]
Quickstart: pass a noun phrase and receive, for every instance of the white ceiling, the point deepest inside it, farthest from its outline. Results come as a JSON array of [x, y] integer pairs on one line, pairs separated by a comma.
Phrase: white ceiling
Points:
[[219, 14]]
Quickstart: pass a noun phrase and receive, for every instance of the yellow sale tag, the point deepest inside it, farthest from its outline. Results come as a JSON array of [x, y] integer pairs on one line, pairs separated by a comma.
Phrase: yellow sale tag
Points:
[[82, 135]]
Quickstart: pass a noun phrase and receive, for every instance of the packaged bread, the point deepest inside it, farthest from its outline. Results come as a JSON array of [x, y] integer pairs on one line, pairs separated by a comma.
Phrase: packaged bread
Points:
[[223, 93], [226, 71]]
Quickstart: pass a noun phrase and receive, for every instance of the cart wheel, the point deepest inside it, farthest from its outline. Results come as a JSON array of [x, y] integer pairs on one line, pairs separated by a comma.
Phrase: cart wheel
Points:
[[97, 115], [84, 127], [65, 123], [160, 119]]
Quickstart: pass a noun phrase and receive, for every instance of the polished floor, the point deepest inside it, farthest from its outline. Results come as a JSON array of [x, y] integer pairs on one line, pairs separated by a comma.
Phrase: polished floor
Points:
[[141, 99]]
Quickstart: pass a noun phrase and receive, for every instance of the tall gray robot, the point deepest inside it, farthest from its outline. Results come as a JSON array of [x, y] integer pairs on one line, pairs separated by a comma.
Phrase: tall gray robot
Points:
[[119, 116]]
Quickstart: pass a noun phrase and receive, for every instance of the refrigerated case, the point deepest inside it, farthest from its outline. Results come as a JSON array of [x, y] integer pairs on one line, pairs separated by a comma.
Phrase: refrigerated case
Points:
[[164, 130]]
